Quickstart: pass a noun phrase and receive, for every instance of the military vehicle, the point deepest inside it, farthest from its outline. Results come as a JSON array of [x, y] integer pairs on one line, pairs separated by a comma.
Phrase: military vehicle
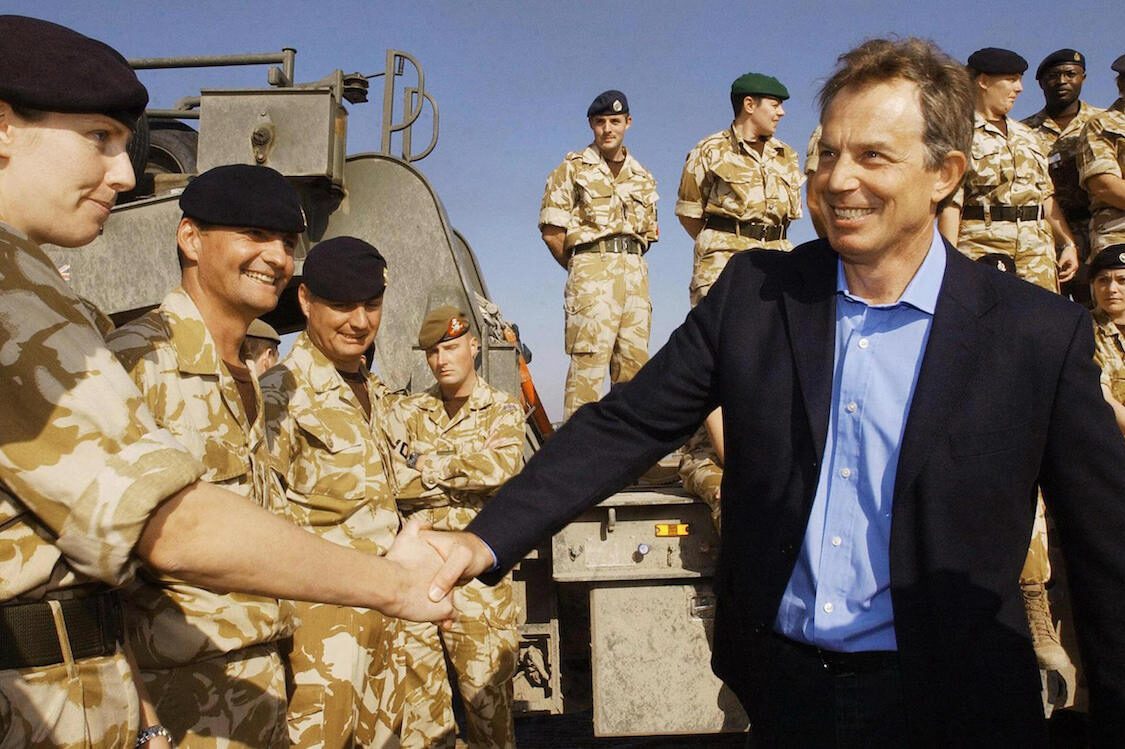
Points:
[[618, 606]]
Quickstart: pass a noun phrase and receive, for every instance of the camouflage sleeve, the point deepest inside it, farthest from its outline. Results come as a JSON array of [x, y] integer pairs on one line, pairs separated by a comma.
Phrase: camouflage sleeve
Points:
[[812, 152], [79, 448], [689, 199], [558, 197], [652, 229], [701, 474], [279, 424], [1098, 153], [795, 178], [485, 469]]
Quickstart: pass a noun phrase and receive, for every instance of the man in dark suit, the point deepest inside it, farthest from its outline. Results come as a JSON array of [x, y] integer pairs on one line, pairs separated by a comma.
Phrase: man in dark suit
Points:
[[889, 409]]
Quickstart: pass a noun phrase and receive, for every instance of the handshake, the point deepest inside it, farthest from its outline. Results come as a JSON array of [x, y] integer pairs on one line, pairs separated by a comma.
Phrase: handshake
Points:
[[428, 564]]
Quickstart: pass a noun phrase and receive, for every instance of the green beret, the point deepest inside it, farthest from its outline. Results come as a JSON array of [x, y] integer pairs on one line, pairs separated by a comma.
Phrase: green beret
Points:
[[757, 84], [55, 69], [444, 323], [262, 329]]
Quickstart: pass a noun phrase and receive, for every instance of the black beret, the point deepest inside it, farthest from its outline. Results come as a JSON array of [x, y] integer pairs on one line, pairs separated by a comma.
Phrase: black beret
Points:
[[1111, 258], [996, 61], [758, 84], [244, 195], [608, 102], [999, 261], [1060, 57], [1118, 65], [444, 323], [345, 269], [55, 69]]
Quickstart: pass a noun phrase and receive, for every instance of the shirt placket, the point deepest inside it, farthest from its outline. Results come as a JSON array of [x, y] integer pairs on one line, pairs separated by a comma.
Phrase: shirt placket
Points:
[[835, 573]]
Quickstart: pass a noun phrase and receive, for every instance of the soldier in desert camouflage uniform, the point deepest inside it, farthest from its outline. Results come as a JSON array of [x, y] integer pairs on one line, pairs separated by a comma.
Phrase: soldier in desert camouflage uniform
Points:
[[86, 476], [1118, 67], [1005, 206], [1101, 168], [1005, 203], [210, 662], [260, 346], [327, 424], [1107, 282], [598, 217], [702, 472], [1059, 127], [458, 442], [741, 187]]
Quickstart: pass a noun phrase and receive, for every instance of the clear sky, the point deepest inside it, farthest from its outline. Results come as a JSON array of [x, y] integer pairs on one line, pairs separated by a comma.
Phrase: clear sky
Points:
[[513, 80]]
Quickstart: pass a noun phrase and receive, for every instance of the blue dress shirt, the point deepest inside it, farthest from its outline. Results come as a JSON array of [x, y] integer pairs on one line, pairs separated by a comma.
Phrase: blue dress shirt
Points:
[[838, 596]]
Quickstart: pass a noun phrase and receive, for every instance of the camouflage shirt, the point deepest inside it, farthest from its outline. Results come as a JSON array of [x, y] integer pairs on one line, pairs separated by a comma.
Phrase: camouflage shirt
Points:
[[724, 176], [1109, 353], [812, 151], [1061, 146], [583, 197], [172, 358], [469, 455], [82, 463], [333, 460], [1006, 171], [1103, 152]]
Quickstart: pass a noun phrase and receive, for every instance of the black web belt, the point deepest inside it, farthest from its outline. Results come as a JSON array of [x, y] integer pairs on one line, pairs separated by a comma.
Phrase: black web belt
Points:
[[627, 245], [28, 637], [752, 229], [1002, 213]]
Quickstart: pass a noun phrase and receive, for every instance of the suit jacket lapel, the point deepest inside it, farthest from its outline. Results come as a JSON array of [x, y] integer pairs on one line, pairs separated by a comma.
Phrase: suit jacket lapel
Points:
[[952, 355], [810, 307]]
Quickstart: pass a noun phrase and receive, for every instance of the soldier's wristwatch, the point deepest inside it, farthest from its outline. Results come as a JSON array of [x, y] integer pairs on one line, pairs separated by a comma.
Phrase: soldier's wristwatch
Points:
[[146, 735]]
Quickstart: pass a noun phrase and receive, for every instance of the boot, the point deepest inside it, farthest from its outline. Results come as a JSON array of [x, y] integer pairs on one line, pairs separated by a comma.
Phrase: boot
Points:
[[1044, 637]]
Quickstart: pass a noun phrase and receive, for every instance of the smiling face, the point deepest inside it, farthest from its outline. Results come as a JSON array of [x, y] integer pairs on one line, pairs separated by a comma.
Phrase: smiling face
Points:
[[238, 271], [60, 174], [609, 131], [876, 194], [452, 363], [342, 331]]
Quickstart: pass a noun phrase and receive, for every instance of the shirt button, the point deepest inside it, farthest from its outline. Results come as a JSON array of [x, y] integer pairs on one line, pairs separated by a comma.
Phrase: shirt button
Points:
[[852, 407], [864, 343], [845, 472], [836, 540], [828, 607]]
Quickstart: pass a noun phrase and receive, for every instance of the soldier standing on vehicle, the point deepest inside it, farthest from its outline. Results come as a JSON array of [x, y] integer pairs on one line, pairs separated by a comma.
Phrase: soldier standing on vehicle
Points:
[[1006, 202], [1101, 166], [741, 187], [89, 484], [210, 661], [598, 218], [1118, 67], [459, 441], [327, 421], [1107, 286], [1059, 127], [261, 346], [1005, 205]]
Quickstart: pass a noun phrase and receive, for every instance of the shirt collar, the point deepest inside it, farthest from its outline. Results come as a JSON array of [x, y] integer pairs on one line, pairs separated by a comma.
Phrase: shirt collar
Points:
[[922, 291]]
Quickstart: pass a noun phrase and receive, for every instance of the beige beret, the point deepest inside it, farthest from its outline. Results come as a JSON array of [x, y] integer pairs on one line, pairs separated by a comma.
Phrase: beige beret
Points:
[[262, 329], [442, 323]]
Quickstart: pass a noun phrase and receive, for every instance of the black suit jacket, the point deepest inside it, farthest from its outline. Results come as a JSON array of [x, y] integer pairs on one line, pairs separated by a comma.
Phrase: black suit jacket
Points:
[[1008, 397]]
